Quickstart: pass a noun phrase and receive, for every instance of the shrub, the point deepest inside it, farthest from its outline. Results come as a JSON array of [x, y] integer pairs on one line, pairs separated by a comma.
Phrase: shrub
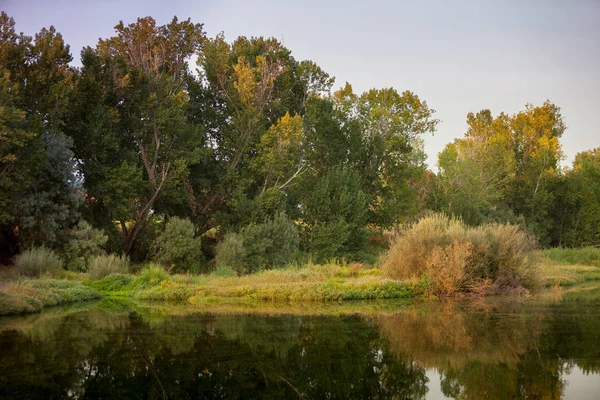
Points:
[[83, 243], [104, 265], [273, 243], [37, 261], [231, 252], [259, 246], [151, 275], [177, 247], [112, 283], [224, 272], [454, 257]]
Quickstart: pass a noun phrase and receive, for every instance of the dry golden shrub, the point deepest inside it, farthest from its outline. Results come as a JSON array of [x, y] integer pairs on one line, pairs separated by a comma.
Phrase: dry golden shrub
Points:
[[455, 257]]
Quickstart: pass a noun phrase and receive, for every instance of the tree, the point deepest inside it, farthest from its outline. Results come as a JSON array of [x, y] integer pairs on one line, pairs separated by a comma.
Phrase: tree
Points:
[[504, 168], [536, 133], [576, 206], [130, 127], [390, 154], [477, 170], [334, 214], [36, 89]]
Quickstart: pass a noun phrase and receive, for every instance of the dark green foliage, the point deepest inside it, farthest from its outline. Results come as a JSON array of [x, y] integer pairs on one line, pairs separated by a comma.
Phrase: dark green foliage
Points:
[[334, 215], [258, 246], [231, 253], [83, 242], [177, 247]]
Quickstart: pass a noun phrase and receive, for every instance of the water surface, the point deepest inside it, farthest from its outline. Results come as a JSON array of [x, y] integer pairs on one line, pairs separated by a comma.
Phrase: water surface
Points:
[[468, 349]]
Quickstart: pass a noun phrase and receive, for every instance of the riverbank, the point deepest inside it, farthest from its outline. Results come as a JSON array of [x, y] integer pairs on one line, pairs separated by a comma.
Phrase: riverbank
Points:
[[567, 270], [26, 296]]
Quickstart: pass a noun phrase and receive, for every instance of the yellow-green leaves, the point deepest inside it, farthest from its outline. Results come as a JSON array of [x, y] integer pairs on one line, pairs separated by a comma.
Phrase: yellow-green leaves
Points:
[[280, 149]]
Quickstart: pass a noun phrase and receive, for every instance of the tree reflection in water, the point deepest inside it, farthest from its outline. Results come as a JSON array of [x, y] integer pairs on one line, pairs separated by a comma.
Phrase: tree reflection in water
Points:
[[512, 349]]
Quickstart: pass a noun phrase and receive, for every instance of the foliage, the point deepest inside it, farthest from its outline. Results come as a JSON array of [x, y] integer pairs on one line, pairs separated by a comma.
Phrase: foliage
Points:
[[259, 246], [135, 137], [177, 247], [104, 265], [83, 242], [31, 296], [231, 253], [38, 261], [334, 215], [454, 257], [150, 275], [112, 283]]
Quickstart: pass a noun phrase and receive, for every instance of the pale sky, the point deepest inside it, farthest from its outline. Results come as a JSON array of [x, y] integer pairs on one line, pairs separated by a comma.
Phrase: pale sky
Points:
[[459, 56]]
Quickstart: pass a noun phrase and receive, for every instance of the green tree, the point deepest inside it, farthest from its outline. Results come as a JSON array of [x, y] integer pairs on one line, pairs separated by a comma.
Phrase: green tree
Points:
[[130, 127], [334, 214]]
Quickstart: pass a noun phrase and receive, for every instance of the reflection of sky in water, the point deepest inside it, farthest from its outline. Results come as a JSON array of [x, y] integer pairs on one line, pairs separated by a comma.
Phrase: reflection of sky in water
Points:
[[578, 385], [581, 386], [434, 386]]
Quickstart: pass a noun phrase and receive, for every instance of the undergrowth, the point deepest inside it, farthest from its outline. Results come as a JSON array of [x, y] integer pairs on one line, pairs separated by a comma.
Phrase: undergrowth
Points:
[[31, 296]]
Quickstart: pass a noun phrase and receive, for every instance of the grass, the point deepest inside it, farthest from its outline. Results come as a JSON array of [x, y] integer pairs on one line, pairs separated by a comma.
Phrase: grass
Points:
[[569, 267], [583, 256], [31, 296], [37, 261], [331, 282]]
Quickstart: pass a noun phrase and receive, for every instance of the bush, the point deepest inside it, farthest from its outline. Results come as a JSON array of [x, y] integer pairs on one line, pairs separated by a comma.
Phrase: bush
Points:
[[177, 247], [271, 244], [38, 261], [101, 266], [83, 243], [112, 283], [231, 253], [259, 246], [151, 275], [224, 272], [454, 257]]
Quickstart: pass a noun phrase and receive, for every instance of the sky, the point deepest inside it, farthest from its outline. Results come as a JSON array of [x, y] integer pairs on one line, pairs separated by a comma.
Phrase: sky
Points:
[[459, 56]]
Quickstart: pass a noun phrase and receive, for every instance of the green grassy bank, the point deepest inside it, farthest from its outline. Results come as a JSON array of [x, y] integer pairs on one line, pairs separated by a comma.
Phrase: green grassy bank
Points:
[[310, 283], [32, 295], [567, 269]]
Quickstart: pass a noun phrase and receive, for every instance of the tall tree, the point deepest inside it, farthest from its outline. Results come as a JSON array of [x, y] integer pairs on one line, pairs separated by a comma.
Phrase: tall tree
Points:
[[131, 132]]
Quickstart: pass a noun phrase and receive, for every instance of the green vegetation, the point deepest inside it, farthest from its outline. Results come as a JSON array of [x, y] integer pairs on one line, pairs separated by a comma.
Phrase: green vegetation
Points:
[[569, 267], [457, 258], [38, 261], [566, 256], [177, 247], [258, 246], [101, 266], [309, 283], [255, 165], [30, 296]]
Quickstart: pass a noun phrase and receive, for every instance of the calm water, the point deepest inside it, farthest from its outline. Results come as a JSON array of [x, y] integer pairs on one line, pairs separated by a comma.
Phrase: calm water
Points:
[[497, 349]]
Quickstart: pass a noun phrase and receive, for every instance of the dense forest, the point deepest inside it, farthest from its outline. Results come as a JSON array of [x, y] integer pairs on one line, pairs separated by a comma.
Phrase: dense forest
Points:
[[249, 158]]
